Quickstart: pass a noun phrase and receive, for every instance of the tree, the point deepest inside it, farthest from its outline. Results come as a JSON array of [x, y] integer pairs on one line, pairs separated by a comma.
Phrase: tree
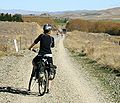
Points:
[[17, 18], [2, 16], [9, 17]]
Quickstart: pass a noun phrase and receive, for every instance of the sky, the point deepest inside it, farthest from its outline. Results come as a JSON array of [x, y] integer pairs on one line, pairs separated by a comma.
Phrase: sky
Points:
[[58, 5]]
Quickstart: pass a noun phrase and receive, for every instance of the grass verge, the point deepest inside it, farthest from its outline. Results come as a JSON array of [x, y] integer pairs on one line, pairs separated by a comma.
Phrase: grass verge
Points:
[[108, 77]]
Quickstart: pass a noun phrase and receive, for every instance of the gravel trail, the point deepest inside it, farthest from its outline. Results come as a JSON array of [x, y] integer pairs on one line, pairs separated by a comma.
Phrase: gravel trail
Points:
[[69, 86]]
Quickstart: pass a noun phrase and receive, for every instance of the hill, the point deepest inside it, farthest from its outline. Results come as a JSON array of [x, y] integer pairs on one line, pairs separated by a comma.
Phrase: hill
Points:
[[112, 13]]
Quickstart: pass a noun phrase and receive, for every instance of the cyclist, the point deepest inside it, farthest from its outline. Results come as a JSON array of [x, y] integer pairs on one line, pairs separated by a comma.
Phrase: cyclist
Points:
[[46, 43]]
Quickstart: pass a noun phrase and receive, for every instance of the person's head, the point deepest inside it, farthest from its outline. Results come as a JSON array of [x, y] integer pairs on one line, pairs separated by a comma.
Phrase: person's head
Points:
[[47, 28]]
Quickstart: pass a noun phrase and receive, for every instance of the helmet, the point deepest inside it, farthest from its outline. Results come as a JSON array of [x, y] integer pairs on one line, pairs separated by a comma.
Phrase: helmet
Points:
[[47, 27]]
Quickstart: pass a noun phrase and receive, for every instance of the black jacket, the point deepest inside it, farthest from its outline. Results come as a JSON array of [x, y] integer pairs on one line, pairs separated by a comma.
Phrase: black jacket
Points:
[[46, 43]]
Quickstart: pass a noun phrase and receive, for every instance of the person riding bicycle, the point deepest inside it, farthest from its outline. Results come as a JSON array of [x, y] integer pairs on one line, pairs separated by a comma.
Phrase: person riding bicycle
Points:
[[46, 43]]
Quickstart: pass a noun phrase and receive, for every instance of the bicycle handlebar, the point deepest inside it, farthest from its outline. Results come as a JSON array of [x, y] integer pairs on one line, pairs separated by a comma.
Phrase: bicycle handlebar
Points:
[[34, 50]]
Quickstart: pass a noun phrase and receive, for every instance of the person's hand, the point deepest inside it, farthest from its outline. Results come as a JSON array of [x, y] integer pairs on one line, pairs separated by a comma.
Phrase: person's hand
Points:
[[30, 49]]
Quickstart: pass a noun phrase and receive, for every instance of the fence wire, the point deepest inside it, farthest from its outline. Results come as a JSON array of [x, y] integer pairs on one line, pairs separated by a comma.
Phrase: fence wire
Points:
[[7, 44]]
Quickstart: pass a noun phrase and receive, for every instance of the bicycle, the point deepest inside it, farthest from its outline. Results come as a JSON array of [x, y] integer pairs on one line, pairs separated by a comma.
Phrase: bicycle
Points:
[[43, 82]]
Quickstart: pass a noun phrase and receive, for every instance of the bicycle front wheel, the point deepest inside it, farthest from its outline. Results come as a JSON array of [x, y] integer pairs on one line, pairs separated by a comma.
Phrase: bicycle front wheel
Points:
[[31, 82], [43, 83]]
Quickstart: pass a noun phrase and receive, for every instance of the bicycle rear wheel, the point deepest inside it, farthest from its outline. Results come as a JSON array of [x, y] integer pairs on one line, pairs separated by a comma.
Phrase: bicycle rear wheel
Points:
[[43, 83]]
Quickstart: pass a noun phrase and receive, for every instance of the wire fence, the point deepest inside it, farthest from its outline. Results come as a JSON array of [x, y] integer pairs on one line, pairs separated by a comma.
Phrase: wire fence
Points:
[[14, 45], [8, 44]]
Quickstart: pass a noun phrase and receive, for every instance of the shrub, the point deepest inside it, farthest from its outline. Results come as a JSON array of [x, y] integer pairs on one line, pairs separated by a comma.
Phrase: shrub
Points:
[[9, 17], [111, 28]]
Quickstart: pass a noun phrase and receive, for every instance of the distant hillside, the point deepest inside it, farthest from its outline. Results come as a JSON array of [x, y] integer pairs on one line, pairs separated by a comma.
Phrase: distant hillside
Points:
[[113, 13]]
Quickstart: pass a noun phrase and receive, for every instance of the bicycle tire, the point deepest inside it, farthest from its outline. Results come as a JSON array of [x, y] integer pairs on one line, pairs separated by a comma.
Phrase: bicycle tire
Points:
[[31, 79], [43, 82]]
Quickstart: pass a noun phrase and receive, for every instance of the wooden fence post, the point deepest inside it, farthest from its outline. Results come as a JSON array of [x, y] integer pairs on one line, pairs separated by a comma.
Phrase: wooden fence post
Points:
[[20, 43], [6, 44], [16, 46], [25, 42]]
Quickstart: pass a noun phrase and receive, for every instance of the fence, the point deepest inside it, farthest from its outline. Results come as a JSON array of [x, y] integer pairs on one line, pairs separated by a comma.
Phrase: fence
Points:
[[8, 44]]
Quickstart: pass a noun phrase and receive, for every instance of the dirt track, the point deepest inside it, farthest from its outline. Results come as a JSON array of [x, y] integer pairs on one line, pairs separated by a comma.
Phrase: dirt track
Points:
[[69, 86]]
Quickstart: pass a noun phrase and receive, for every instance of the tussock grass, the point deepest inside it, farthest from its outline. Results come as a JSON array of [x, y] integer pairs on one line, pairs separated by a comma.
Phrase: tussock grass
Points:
[[98, 47], [23, 32]]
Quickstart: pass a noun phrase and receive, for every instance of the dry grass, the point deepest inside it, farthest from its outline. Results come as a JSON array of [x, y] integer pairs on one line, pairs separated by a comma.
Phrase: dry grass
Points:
[[19, 28], [23, 32], [40, 20], [99, 47]]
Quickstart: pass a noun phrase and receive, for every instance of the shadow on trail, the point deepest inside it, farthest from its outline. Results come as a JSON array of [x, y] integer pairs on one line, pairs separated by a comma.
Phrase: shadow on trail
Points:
[[21, 91]]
